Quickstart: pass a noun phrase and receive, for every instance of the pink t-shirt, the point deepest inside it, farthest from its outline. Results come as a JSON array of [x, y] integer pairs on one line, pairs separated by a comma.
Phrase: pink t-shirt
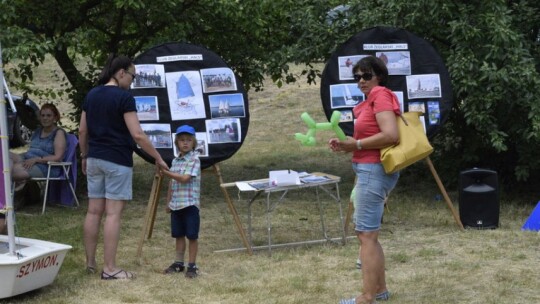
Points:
[[380, 99]]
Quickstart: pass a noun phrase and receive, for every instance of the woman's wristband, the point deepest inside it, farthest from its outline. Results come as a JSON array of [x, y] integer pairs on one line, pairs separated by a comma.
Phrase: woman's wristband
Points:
[[358, 145]]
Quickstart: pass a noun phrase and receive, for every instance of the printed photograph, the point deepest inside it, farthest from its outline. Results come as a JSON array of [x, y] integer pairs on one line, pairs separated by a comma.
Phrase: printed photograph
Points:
[[423, 121], [417, 106], [149, 76], [147, 107], [399, 95], [423, 86], [346, 64], [185, 95], [397, 63], [218, 80], [345, 95], [159, 135], [434, 113], [346, 116], [223, 130], [227, 105], [202, 144]]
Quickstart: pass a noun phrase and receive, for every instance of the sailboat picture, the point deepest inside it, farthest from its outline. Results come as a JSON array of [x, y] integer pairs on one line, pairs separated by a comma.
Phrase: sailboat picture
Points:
[[345, 95], [397, 63], [227, 105], [185, 95]]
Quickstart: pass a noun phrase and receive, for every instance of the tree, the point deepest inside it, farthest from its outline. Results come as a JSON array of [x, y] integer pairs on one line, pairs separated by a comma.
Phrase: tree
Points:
[[491, 48], [249, 35], [492, 51]]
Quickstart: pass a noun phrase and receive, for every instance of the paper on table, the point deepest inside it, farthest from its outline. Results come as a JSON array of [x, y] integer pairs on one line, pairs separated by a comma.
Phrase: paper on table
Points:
[[243, 186], [284, 178]]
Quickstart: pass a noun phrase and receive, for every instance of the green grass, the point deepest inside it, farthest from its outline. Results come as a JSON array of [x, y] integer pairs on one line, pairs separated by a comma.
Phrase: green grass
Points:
[[428, 259]]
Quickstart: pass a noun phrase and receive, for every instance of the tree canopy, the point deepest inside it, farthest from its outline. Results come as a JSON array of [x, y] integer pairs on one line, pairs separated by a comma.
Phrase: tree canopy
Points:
[[491, 49]]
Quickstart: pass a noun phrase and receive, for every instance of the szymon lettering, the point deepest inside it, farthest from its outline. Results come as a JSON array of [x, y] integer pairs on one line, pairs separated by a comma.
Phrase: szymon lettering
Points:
[[36, 265]]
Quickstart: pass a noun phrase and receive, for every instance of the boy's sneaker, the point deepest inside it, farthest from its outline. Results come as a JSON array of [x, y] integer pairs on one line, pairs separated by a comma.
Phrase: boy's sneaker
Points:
[[192, 272], [174, 268]]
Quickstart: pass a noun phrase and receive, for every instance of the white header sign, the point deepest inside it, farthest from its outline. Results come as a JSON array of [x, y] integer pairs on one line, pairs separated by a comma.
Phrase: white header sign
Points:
[[385, 47], [187, 57]]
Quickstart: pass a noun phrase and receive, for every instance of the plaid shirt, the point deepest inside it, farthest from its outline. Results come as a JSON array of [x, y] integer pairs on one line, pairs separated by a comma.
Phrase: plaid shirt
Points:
[[186, 194]]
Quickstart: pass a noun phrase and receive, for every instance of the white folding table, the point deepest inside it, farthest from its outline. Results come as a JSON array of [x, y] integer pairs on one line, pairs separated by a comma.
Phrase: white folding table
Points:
[[320, 181]]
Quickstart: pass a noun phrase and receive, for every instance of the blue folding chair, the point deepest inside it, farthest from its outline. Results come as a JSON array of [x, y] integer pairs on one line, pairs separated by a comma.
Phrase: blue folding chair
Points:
[[68, 174]]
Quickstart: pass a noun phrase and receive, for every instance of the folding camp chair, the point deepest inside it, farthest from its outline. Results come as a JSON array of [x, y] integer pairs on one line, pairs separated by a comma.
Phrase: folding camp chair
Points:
[[68, 173]]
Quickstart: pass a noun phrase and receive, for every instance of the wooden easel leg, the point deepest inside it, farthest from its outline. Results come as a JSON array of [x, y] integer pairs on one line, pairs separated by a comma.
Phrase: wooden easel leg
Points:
[[443, 191], [155, 202], [233, 211], [150, 214]]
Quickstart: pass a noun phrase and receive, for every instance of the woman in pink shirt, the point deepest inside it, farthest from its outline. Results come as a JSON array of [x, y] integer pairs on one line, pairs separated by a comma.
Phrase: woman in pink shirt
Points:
[[375, 128]]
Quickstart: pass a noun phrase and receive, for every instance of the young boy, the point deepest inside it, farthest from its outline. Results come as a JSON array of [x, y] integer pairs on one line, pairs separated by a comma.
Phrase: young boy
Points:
[[183, 200]]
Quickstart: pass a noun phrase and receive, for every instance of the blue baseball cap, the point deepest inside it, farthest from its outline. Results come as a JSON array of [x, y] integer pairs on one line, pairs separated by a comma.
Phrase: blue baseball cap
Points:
[[185, 129]]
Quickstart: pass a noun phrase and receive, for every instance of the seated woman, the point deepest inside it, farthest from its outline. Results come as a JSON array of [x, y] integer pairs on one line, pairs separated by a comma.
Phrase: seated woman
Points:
[[48, 143]]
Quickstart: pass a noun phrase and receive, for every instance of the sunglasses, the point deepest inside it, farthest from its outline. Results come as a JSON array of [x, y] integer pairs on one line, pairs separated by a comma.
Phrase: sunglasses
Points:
[[366, 76], [133, 76]]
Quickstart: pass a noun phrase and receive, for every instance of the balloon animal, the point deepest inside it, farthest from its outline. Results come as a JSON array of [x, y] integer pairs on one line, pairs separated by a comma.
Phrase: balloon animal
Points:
[[308, 139]]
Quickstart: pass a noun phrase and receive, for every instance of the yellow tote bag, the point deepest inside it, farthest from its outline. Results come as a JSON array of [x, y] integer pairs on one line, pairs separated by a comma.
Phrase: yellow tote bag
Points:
[[413, 144]]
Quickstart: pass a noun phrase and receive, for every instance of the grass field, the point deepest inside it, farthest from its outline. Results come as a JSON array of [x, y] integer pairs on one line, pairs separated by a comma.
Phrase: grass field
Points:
[[428, 258]]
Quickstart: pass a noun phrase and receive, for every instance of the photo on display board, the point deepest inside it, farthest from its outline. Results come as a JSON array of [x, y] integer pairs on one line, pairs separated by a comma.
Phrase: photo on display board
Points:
[[434, 113], [185, 95], [227, 105], [423, 121], [346, 116], [417, 106], [399, 95], [346, 65], [147, 107], [397, 63], [345, 95], [218, 80], [223, 130], [201, 148], [423, 86], [149, 76], [159, 135]]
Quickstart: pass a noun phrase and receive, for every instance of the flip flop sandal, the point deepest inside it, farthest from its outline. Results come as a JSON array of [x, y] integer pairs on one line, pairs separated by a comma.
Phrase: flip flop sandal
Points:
[[127, 275]]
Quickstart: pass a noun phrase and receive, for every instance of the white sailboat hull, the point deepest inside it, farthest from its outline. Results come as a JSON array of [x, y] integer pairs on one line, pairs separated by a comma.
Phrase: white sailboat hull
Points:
[[35, 265]]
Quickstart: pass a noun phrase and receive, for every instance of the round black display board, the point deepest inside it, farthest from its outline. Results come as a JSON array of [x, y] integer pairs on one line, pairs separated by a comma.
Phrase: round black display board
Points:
[[181, 83], [418, 76]]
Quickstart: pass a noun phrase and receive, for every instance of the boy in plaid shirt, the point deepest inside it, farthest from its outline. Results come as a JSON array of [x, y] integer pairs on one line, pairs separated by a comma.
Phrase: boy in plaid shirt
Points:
[[183, 200]]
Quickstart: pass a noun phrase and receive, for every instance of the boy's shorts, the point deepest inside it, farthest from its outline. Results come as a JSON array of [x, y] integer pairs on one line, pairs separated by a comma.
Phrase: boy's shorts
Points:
[[185, 222]]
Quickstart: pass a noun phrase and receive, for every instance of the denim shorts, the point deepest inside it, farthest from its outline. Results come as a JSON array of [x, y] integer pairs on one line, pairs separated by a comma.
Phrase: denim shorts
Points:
[[108, 180], [372, 187], [185, 222], [35, 171]]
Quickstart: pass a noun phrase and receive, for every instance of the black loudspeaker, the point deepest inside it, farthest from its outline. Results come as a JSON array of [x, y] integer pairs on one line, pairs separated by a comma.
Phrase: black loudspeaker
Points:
[[479, 199]]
